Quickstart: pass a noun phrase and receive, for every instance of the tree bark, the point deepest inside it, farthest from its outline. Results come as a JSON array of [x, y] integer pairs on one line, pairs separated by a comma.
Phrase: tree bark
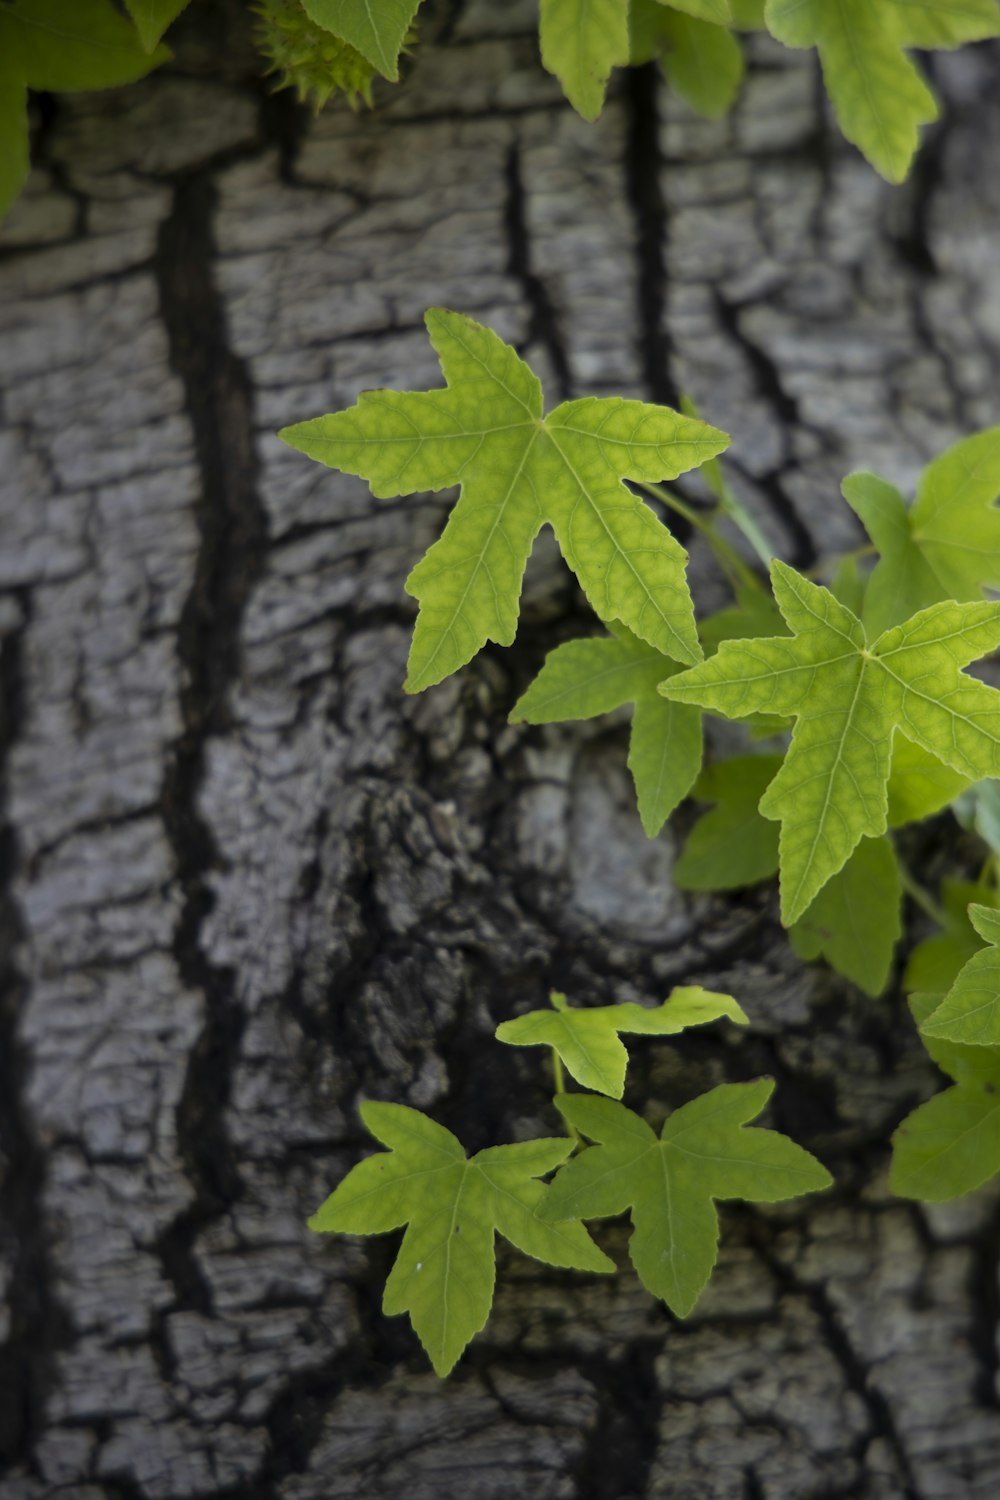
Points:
[[248, 883]]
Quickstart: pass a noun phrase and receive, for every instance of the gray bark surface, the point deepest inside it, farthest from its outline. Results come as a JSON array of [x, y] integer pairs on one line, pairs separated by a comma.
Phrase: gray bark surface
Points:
[[248, 883]]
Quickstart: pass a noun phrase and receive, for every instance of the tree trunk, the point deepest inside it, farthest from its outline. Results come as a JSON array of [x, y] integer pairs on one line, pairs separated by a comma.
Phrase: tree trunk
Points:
[[248, 883]]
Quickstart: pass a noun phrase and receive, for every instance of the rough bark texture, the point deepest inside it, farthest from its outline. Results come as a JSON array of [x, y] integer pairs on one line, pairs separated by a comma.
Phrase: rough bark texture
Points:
[[246, 882]]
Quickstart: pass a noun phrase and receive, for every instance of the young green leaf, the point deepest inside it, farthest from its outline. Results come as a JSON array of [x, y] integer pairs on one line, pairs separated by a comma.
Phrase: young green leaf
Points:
[[754, 614], [584, 678], [377, 31], [588, 1041], [669, 1183], [920, 784], [731, 846], [849, 585], [943, 23], [63, 46], [445, 1271], [935, 963], [970, 1011], [518, 470], [152, 17], [856, 920], [848, 697], [704, 63], [582, 40], [700, 56], [719, 12], [946, 545], [879, 97], [950, 1145], [748, 15]]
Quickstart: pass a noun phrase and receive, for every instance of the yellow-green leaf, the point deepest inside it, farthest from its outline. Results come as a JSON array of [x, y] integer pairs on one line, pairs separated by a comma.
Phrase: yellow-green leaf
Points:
[[669, 1184], [517, 470], [879, 96], [970, 1011], [943, 23], [582, 40], [152, 17], [919, 784], [704, 63], [445, 1271], [935, 962], [950, 1145], [376, 30], [946, 545], [856, 920], [588, 1041], [60, 45], [584, 678], [731, 846], [849, 696]]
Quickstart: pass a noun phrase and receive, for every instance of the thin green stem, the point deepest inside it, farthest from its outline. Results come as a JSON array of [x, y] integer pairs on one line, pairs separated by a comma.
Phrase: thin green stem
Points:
[[917, 893], [559, 1075], [741, 518], [729, 560]]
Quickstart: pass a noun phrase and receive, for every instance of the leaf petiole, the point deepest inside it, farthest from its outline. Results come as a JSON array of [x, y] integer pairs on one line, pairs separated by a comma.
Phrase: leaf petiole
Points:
[[729, 560], [919, 895], [559, 1076]]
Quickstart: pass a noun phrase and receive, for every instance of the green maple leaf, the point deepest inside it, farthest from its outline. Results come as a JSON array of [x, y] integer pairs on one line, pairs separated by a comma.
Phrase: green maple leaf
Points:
[[748, 15], [582, 40], [946, 545], [584, 678], [856, 920], [731, 846], [919, 784], [700, 56], [718, 12], [445, 1271], [950, 1145], [753, 614], [936, 961], [518, 470], [377, 30], [970, 1011], [152, 17], [879, 97], [734, 846], [63, 46], [588, 1041], [943, 23], [703, 1153], [848, 697]]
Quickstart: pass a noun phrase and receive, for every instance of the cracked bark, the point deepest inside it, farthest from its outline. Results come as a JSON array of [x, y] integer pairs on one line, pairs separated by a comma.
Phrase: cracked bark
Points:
[[246, 882]]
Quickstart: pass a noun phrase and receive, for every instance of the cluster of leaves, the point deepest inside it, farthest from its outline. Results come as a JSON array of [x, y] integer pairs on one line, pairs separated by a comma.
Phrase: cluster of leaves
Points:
[[323, 47], [453, 1205], [860, 684], [878, 93]]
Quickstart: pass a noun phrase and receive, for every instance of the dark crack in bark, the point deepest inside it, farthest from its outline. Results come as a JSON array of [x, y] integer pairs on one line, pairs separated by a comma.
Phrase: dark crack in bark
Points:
[[643, 166], [544, 325], [233, 535], [37, 1326]]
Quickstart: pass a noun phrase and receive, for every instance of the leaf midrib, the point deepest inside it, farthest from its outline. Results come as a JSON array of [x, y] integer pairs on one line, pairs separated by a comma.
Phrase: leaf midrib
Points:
[[622, 555]]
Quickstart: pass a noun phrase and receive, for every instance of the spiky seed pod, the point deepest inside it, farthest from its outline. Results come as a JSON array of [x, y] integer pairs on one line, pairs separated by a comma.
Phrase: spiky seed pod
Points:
[[313, 62]]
